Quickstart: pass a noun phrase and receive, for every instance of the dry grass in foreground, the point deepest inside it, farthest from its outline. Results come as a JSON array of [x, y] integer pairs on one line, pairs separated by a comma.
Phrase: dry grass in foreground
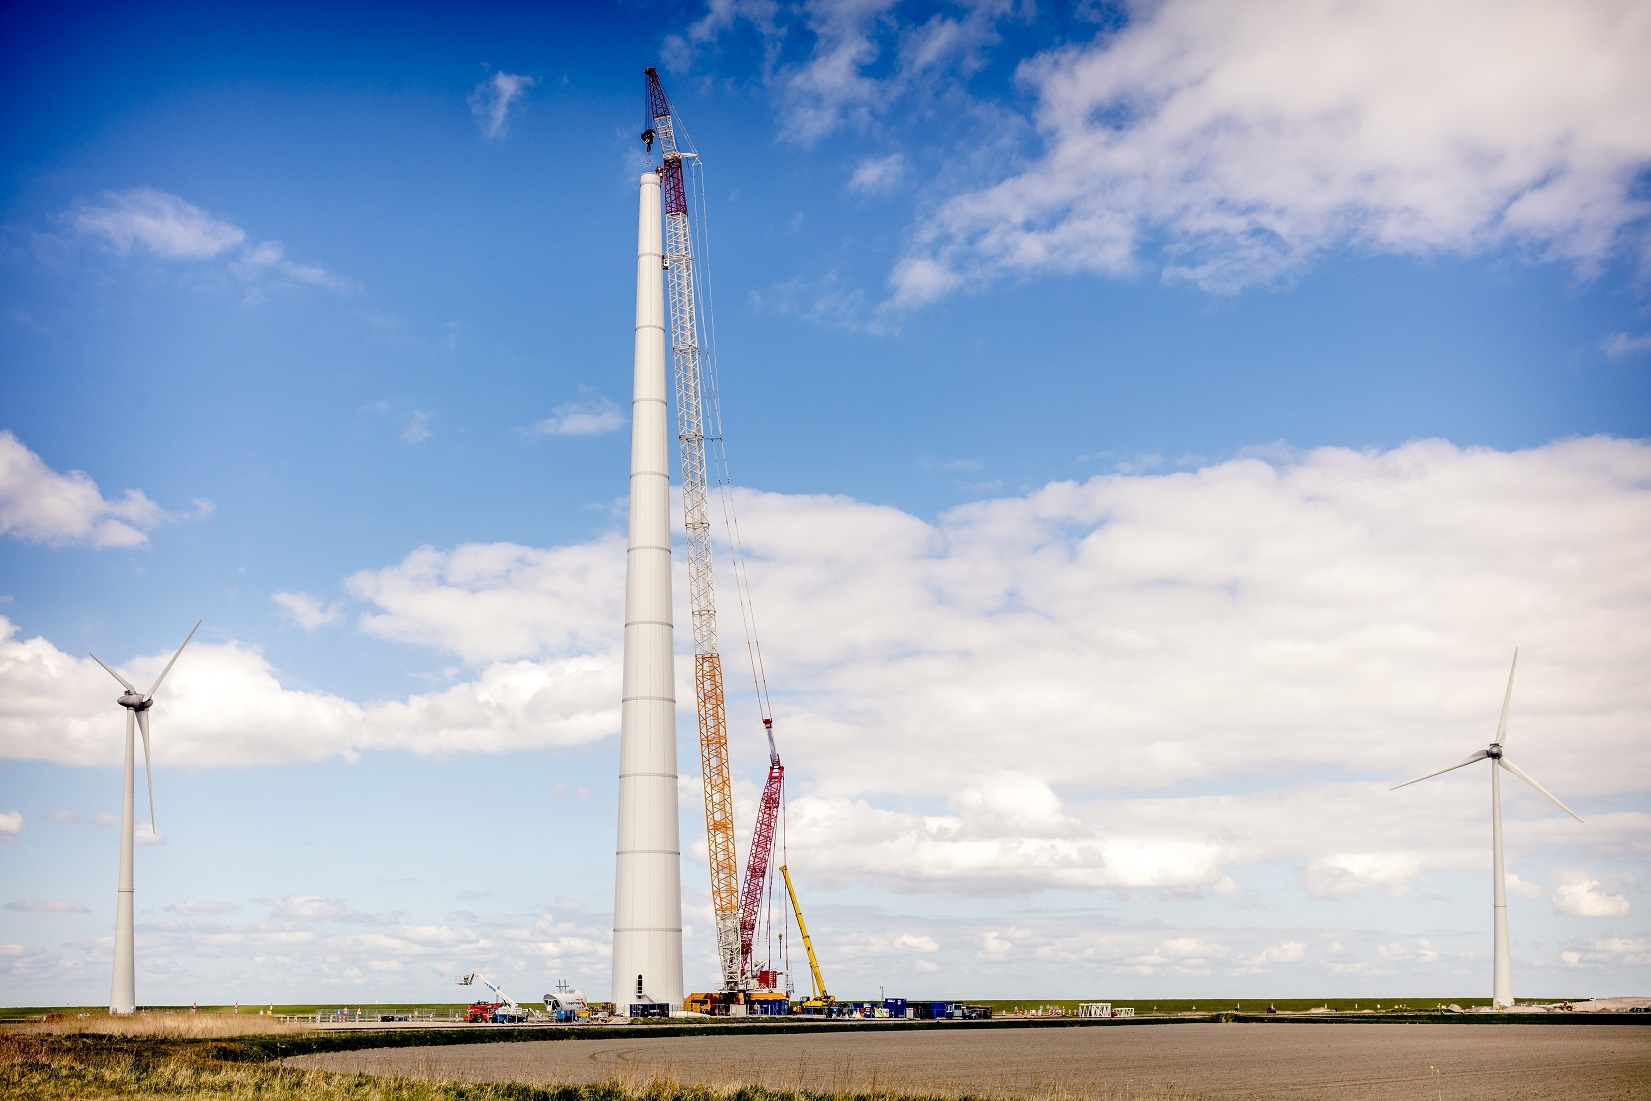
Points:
[[160, 1026], [48, 1064]]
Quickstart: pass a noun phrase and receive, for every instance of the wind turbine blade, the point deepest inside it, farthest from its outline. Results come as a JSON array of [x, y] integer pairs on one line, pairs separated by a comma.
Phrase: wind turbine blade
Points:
[[143, 725], [1468, 760], [1519, 772], [1507, 699], [114, 674], [150, 694]]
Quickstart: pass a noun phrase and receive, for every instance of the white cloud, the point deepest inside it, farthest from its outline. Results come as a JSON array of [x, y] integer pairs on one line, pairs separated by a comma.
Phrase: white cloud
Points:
[[304, 610], [582, 418], [1342, 874], [225, 705], [1249, 138], [500, 601], [313, 908], [1580, 895], [203, 906], [417, 429], [1053, 690], [175, 229], [164, 224], [1422, 950], [492, 99], [270, 257], [11, 825], [1290, 951], [878, 174], [46, 906], [1611, 953], [40, 505], [1618, 345]]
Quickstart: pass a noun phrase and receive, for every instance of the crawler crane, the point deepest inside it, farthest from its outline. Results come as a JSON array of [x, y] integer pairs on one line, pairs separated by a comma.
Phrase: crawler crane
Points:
[[736, 912], [696, 509]]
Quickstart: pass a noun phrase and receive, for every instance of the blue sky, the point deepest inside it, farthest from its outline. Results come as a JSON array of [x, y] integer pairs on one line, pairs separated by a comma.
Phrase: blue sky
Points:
[[1156, 426]]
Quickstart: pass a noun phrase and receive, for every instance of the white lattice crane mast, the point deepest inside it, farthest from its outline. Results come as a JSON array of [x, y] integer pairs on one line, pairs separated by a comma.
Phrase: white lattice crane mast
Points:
[[696, 509]]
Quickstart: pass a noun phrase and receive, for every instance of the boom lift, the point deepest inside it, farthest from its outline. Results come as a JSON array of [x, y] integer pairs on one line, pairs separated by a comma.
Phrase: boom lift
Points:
[[502, 1010]]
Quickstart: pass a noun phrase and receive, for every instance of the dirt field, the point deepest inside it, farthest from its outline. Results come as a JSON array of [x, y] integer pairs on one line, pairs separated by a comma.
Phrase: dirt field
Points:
[[1221, 1062]]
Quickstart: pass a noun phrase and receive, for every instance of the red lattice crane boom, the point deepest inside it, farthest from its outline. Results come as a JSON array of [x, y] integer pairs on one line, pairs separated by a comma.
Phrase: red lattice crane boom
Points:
[[762, 845]]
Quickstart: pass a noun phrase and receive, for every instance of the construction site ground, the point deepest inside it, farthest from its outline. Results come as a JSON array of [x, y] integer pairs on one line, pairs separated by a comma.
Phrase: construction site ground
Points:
[[1254, 1060]]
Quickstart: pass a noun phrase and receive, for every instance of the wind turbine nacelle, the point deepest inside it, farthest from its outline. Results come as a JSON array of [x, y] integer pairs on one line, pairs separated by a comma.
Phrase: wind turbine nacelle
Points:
[[134, 700], [1494, 752]]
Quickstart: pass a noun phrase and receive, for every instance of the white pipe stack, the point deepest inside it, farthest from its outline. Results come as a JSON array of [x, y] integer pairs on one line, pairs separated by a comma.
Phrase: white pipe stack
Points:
[[647, 902]]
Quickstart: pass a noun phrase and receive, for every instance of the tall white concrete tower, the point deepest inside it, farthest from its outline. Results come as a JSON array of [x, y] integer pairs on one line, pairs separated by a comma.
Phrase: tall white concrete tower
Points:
[[647, 894]]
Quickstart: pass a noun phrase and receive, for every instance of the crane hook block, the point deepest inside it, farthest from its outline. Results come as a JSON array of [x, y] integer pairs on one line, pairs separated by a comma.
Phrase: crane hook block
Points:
[[648, 138]]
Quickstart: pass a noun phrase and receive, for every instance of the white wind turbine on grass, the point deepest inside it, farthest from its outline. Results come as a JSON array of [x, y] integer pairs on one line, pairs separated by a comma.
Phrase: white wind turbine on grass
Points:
[[1502, 985], [123, 989]]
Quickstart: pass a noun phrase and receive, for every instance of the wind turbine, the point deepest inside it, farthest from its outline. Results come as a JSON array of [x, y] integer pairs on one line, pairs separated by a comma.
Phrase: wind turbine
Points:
[[123, 990], [1502, 988]]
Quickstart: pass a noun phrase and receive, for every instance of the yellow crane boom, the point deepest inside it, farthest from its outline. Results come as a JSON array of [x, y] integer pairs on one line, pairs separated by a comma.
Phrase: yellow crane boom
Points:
[[808, 944]]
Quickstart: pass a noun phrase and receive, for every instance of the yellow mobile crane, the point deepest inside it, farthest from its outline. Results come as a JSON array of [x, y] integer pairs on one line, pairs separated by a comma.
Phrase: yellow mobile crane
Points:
[[822, 999]]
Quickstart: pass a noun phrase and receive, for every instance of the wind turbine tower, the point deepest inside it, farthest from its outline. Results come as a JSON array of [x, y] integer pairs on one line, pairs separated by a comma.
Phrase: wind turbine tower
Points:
[[1502, 986], [647, 903], [123, 988]]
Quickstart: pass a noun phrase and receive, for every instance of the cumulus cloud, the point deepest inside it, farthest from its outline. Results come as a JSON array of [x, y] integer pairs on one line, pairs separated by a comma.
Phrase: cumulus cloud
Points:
[[225, 705], [1610, 952], [46, 906], [40, 505], [11, 825], [174, 229], [304, 610], [500, 601], [492, 99], [582, 418], [1231, 143], [1342, 874], [1580, 895], [1019, 694]]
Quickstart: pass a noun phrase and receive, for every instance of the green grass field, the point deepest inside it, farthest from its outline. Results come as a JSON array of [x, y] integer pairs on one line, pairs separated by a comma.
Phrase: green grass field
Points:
[[424, 1009]]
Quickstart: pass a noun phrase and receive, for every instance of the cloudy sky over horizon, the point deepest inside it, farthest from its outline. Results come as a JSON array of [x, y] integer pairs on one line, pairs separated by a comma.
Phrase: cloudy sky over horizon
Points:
[[1155, 427]]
